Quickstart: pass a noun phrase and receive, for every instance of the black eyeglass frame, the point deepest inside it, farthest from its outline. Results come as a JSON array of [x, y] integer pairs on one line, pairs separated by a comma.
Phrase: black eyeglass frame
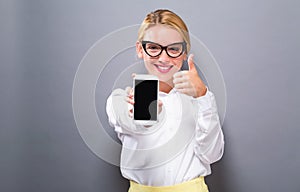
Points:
[[164, 48]]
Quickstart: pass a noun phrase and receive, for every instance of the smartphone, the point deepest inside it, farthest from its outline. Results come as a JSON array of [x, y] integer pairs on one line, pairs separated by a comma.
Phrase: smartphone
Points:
[[145, 108]]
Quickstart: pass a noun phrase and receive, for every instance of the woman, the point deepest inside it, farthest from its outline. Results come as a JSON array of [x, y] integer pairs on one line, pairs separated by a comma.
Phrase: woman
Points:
[[185, 104]]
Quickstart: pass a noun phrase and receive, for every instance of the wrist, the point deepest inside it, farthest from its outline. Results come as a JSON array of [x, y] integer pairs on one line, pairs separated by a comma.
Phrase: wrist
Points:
[[201, 92]]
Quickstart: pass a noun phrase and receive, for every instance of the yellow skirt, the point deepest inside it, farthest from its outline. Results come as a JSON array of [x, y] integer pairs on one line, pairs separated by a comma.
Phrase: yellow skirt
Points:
[[195, 185]]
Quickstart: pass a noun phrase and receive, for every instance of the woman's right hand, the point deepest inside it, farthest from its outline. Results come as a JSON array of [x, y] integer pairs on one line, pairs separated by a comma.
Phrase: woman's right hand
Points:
[[130, 101]]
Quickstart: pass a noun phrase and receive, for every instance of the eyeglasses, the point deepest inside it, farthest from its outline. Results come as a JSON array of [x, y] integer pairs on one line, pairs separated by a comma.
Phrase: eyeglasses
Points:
[[173, 50]]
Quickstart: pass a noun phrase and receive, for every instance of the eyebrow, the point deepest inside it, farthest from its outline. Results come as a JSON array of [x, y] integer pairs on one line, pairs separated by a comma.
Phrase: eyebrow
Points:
[[162, 45]]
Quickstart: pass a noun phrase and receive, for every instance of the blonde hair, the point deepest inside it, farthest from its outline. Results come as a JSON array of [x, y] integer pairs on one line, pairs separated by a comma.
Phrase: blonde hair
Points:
[[165, 17]]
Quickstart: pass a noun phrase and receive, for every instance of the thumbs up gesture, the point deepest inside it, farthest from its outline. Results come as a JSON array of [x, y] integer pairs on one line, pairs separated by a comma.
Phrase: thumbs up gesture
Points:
[[189, 82]]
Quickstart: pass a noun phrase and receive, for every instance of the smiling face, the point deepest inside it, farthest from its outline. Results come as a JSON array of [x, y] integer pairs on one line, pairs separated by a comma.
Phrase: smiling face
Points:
[[163, 66]]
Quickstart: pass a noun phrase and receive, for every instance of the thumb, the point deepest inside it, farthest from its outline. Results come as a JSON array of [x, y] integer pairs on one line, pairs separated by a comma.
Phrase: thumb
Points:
[[191, 63]]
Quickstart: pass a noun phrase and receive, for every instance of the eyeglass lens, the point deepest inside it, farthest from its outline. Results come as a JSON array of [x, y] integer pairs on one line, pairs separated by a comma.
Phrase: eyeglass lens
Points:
[[154, 49]]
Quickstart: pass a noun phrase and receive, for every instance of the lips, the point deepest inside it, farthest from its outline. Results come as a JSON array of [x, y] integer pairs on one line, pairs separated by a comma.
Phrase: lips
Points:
[[163, 68]]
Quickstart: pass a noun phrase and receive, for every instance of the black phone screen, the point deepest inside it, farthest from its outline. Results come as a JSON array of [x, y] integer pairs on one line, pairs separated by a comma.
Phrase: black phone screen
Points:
[[145, 99]]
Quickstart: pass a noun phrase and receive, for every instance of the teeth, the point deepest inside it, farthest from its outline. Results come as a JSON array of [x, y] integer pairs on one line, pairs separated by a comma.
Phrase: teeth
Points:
[[164, 68]]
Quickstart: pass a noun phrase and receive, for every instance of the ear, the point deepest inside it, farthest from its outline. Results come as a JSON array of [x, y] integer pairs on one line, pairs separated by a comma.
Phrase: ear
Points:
[[139, 49], [185, 56]]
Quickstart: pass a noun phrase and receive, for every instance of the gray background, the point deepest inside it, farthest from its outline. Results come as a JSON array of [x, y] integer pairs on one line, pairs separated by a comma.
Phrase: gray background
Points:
[[255, 43]]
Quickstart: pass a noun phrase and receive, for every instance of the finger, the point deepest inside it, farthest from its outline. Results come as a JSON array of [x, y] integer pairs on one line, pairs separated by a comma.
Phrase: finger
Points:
[[130, 113], [128, 90], [133, 75], [186, 91], [182, 90], [178, 81], [160, 103], [130, 110], [129, 100], [180, 74], [183, 85], [191, 63], [181, 79]]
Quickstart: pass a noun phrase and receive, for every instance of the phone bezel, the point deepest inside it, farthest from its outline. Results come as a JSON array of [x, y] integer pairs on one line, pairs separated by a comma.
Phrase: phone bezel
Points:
[[145, 77]]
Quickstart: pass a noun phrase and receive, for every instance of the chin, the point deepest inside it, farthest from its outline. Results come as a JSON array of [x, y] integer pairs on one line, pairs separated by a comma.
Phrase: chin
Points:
[[165, 78]]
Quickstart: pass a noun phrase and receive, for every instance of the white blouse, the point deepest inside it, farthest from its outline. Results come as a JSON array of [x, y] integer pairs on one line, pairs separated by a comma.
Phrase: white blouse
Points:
[[180, 147]]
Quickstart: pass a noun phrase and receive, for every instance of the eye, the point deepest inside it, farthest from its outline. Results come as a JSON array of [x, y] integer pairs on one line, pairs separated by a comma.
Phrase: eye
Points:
[[153, 47], [173, 48]]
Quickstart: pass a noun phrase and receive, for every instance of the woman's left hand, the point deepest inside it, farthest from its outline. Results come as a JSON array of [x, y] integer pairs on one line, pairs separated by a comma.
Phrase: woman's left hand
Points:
[[189, 82]]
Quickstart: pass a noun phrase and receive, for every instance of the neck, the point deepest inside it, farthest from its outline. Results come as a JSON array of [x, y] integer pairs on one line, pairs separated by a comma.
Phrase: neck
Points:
[[165, 86]]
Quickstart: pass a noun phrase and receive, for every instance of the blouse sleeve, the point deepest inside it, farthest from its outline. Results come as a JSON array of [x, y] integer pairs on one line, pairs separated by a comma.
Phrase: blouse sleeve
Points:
[[209, 136], [117, 112]]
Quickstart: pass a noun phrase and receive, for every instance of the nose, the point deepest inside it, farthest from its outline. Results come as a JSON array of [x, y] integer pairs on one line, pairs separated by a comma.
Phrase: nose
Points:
[[163, 57]]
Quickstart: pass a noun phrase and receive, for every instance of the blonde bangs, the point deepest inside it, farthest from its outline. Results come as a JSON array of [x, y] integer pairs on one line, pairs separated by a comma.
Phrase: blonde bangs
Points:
[[167, 18]]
